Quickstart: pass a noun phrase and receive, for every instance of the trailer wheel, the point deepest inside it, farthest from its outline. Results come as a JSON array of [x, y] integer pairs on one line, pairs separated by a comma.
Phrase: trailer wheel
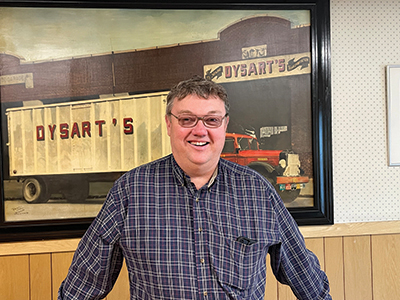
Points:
[[269, 173], [35, 190], [289, 195], [77, 192], [265, 170]]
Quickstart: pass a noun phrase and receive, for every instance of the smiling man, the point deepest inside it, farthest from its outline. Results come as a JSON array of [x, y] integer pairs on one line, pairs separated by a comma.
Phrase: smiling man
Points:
[[192, 225], [197, 142]]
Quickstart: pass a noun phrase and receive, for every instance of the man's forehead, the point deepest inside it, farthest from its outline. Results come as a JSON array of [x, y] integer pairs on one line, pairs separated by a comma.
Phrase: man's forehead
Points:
[[199, 97], [189, 112]]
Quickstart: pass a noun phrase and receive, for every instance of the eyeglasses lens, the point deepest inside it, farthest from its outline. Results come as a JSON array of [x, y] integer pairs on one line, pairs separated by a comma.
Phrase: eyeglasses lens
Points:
[[208, 121], [187, 121], [212, 121]]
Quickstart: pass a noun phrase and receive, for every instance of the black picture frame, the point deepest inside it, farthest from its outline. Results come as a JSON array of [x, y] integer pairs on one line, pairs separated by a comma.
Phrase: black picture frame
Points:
[[322, 210]]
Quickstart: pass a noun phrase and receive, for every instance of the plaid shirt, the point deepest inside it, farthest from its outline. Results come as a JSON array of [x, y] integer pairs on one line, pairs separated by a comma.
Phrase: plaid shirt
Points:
[[182, 243]]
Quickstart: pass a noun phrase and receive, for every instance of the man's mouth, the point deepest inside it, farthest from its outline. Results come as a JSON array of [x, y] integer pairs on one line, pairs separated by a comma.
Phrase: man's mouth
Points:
[[200, 144]]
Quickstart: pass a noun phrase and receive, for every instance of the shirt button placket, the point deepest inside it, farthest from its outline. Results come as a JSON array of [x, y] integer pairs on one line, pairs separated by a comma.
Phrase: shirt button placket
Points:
[[200, 230], [201, 244]]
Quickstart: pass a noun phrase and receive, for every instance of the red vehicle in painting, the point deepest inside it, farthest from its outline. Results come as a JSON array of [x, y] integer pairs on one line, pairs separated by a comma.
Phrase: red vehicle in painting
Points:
[[280, 167]]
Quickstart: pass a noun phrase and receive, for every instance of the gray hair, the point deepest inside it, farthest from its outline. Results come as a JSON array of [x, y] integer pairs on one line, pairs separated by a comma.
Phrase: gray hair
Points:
[[198, 86]]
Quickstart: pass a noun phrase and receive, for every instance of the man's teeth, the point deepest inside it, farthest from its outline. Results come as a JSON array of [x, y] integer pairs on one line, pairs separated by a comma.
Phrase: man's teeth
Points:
[[198, 143]]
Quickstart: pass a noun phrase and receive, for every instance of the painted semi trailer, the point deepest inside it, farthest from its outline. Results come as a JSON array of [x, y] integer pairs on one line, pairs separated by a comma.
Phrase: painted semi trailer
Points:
[[60, 148]]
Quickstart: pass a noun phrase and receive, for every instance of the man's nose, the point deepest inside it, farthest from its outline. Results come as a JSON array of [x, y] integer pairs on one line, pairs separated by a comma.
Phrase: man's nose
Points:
[[200, 128]]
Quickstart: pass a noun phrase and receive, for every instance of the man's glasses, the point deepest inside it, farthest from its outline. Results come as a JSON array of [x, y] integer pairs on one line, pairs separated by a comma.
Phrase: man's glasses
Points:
[[189, 121]]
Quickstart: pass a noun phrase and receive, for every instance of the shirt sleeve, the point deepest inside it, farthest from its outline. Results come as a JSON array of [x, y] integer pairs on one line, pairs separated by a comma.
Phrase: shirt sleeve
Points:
[[292, 263], [98, 258]]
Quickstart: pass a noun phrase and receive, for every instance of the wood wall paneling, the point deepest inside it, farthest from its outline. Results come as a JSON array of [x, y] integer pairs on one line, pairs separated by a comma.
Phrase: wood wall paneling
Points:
[[40, 276], [60, 265], [271, 286], [334, 266], [359, 266], [316, 245], [386, 266], [285, 293], [14, 277]]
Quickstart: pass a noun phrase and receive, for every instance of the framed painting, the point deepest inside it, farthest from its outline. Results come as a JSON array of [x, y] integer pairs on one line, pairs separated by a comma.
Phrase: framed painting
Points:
[[83, 87], [393, 110]]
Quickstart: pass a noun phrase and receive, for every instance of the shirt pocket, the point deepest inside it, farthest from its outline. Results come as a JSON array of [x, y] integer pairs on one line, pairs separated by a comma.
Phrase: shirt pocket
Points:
[[236, 264]]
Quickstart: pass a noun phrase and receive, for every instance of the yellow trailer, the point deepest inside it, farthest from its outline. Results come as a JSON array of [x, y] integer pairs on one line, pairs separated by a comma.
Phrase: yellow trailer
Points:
[[61, 147]]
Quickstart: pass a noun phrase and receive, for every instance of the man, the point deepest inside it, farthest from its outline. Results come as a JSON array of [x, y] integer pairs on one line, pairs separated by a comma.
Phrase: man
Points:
[[192, 225]]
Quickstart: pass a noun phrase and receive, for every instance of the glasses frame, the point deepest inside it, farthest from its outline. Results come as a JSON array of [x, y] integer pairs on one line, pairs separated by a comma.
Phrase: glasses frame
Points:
[[197, 120]]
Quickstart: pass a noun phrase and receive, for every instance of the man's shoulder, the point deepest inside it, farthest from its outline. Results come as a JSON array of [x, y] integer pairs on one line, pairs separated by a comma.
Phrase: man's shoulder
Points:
[[148, 170], [239, 170], [140, 180], [239, 174]]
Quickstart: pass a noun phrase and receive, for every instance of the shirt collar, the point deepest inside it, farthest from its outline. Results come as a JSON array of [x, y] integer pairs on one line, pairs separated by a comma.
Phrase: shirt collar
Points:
[[183, 179], [212, 179]]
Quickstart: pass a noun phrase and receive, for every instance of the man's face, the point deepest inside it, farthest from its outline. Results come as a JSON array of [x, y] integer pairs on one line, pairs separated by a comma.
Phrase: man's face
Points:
[[197, 149]]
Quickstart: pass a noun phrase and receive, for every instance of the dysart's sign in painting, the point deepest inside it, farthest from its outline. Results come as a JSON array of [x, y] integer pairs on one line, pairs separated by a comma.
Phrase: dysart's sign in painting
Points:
[[259, 68]]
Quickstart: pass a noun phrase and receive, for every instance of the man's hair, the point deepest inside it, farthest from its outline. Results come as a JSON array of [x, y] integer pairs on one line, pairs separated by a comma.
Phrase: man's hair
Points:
[[198, 86]]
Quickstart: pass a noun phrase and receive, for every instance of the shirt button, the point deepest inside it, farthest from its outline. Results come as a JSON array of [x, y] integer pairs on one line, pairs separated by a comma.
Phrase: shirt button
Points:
[[202, 260], [205, 293], [197, 199], [200, 229]]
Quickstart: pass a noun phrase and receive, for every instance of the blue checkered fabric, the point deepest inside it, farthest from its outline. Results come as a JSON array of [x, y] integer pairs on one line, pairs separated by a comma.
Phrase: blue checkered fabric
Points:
[[182, 243]]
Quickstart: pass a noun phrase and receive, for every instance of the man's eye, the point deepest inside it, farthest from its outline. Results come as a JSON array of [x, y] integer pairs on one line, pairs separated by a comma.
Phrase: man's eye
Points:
[[212, 120], [188, 119]]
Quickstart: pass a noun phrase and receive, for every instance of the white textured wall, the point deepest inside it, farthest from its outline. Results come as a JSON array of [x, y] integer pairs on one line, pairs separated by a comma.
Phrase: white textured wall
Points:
[[365, 38]]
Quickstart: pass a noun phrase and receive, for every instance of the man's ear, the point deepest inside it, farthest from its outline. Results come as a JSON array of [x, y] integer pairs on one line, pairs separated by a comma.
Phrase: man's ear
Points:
[[168, 122], [226, 122]]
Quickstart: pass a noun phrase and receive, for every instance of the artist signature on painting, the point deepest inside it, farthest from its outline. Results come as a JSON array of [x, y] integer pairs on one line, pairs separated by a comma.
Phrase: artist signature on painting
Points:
[[19, 210]]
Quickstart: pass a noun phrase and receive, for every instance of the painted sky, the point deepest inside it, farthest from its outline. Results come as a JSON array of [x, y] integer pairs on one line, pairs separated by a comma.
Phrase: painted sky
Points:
[[36, 34]]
